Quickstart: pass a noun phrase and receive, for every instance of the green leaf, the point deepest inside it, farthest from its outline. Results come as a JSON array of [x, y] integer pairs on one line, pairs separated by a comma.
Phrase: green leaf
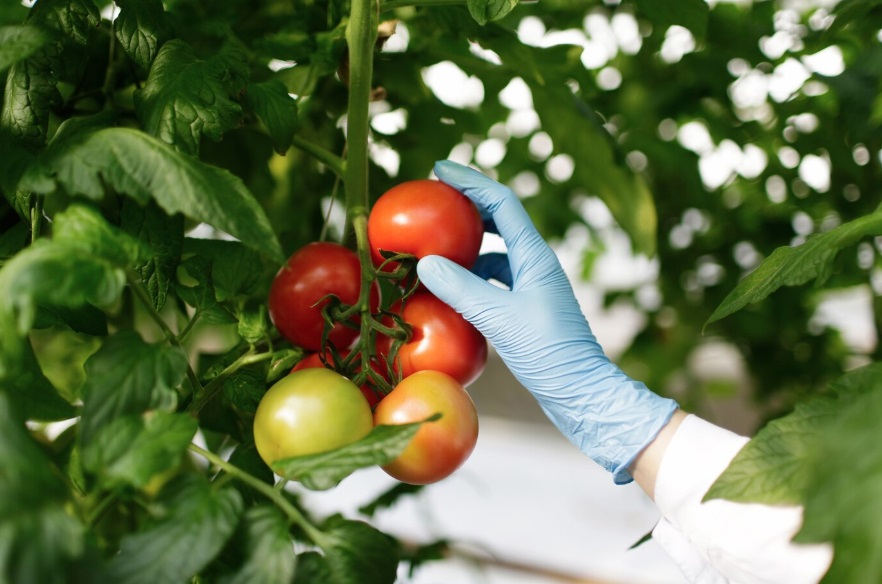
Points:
[[355, 552], [83, 228], [245, 388], [127, 376], [131, 450], [842, 503], [691, 14], [235, 269], [31, 395], [276, 109], [195, 522], [82, 319], [29, 97], [141, 28], [185, 98], [13, 240], [326, 469], [202, 295], [38, 539], [792, 266], [267, 548], [165, 236], [142, 167], [18, 43], [484, 11], [389, 498]]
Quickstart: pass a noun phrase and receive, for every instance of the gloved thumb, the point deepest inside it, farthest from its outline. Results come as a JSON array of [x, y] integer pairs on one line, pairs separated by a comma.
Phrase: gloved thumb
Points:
[[466, 293]]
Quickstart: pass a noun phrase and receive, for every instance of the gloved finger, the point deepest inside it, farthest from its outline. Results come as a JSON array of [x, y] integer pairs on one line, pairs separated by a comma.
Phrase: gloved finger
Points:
[[493, 266], [530, 257], [468, 294]]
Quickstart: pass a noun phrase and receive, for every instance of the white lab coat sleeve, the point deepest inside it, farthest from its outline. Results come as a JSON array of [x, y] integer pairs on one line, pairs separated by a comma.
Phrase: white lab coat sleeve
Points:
[[719, 541]]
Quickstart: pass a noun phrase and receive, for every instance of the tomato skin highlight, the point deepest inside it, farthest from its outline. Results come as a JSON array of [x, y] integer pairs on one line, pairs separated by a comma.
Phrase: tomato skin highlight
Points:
[[309, 411], [440, 447], [312, 360], [442, 340], [425, 217], [313, 271]]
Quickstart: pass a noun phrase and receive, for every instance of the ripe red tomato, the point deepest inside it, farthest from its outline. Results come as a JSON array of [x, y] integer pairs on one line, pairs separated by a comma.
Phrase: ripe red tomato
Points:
[[440, 447], [307, 412], [442, 340], [316, 269], [312, 360], [425, 217]]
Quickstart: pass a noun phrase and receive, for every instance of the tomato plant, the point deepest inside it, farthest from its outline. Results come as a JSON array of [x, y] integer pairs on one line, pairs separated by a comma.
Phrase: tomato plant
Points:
[[371, 394], [309, 411], [295, 299], [441, 340], [425, 217], [441, 446]]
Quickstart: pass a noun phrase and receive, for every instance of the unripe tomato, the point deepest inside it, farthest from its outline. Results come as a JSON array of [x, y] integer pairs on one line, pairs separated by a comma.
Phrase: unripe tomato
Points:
[[372, 396], [310, 411], [442, 340], [440, 447], [313, 271], [425, 217]]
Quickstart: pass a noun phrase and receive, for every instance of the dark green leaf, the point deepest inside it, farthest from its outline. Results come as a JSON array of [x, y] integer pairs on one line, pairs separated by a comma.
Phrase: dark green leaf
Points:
[[484, 11], [235, 269], [31, 395], [312, 567], [13, 240], [267, 547], [29, 98], [253, 323], [131, 450], [356, 553], [129, 377], [792, 266], [389, 498], [132, 163], [18, 43], [185, 98], [430, 552], [202, 295], [691, 14], [165, 236], [141, 29], [82, 319], [84, 229], [282, 362], [245, 388], [325, 470], [195, 523], [276, 109], [246, 457]]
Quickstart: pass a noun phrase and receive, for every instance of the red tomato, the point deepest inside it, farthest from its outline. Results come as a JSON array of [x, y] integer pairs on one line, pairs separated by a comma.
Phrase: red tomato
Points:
[[313, 360], [442, 340], [313, 271], [439, 447], [425, 217]]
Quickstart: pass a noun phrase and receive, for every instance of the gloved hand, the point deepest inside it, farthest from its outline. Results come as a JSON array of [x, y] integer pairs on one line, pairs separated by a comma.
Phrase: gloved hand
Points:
[[541, 334]]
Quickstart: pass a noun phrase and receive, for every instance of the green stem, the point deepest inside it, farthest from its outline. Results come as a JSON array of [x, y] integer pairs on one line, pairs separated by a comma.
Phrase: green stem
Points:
[[294, 515], [170, 336], [189, 326], [324, 156], [101, 509], [36, 217]]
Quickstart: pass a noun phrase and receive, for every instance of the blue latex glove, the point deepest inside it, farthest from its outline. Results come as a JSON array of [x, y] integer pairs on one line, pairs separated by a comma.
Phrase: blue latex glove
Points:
[[541, 334]]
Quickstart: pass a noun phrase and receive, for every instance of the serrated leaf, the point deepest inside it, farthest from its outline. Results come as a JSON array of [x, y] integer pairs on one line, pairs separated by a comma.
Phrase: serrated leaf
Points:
[[18, 42], [135, 164], [165, 236], [196, 522], [267, 548], [842, 503], [127, 376], [202, 296], [131, 450], [792, 266], [245, 388], [253, 323], [141, 28], [235, 269], [484, 11], [356, 553], [691, 14], [326, 469], [276, 109], [185, 98]]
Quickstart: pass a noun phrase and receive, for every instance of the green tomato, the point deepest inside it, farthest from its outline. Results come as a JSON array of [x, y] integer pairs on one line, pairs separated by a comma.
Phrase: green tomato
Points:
[[310, 411]]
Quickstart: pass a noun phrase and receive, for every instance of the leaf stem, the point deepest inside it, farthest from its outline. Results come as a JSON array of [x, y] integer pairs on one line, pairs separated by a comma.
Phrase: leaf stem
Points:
[[170, 336], [326, 157], [101, 509], [36, 217], [277, 497]]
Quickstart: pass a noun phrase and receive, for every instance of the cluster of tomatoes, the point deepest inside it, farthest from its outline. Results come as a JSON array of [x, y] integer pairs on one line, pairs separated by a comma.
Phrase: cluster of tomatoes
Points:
[[424, 369]]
